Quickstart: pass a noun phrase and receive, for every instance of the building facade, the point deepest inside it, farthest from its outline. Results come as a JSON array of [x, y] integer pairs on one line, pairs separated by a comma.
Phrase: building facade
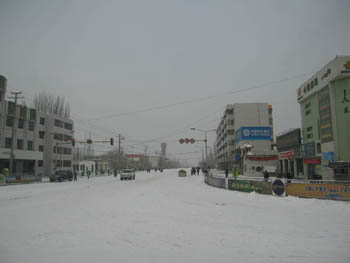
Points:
[[242, 125], [289, 148], [42, 142], [325, 113]]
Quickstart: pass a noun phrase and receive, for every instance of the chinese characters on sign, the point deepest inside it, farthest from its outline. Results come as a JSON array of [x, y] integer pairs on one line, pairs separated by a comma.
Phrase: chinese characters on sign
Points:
[[326, 133], [253, 133]]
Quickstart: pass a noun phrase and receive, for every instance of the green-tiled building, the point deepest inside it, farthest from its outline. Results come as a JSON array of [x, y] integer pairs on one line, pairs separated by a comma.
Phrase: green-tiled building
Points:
[[325, 113]]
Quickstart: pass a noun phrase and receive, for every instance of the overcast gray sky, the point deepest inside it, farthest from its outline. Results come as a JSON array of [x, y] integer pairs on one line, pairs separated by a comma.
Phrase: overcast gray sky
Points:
[[114, 57]]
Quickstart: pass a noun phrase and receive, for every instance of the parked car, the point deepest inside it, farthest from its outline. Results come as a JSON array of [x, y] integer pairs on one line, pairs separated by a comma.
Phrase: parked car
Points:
[[61, 175], [127, 174]]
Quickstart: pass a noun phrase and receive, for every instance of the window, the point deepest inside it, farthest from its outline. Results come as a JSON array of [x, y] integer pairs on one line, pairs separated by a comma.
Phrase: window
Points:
[[309, 136], [308, 105], [270, 111], [30, 145], [11, 108], [231, 131], [41, 148], [68, 126], [23, 112], [19, 144], [9, 121], [307, 112], [41, 134], [304, 89], [67, 138], [67, 151], [40, 163], [312, 84], [59, 149], [8, 142], [318, 147], [270, 121], [20, 123], [67, 163], [316, 81], [32, 115], [309, 129], [58, 136], [58, 123], [42, 120], [308, 87], [31, 125]]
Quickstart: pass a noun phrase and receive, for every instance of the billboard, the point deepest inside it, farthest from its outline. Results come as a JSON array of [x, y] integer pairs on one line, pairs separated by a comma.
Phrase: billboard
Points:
[[248, 186], [289, 139], [253, 133], [326, 133], [324, 191]]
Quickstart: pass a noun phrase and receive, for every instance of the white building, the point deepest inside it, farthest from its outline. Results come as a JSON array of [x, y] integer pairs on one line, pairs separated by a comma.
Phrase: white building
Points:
[[244, 138], [42, 141]]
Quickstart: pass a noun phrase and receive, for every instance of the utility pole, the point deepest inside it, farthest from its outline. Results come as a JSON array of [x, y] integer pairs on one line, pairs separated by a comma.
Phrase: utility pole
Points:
[[119, 149], [15, 93]]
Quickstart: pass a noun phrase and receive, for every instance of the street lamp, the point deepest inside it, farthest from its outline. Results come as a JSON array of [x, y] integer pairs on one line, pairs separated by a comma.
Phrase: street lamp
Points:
[[205, 141]]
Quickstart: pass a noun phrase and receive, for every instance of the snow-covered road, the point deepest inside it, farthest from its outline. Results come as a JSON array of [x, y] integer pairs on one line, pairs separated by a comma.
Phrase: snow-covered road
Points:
[[160, 217]]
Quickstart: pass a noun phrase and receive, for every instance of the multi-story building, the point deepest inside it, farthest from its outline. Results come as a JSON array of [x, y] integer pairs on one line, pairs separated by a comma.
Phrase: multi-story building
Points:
[[42, 142], [244, 138], [325, 113]]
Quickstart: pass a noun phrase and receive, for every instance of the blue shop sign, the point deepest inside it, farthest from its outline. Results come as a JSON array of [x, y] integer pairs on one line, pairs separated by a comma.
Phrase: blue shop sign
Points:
[[328, 156], [253, 133]]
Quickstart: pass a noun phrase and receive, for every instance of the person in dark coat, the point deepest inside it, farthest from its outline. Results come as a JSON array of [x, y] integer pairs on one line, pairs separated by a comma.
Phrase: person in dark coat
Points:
[[198, 169], [226, 172], [75, 175], [266, 175]]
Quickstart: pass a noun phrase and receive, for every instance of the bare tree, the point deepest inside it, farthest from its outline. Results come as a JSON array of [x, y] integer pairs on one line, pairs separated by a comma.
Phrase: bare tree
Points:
[[47, 103]]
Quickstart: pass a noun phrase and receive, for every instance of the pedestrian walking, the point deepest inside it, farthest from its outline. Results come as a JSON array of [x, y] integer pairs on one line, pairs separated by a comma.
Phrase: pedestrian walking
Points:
[[115, 172], [266, 175], [198, 169], [226, 172], [75, 175]]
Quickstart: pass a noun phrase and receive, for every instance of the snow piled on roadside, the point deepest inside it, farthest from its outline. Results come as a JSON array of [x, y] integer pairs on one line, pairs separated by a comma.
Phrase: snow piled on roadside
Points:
[[161, 217]]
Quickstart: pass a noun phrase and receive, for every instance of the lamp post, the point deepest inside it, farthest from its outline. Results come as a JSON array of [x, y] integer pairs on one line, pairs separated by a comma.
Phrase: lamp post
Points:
[[205, 141]]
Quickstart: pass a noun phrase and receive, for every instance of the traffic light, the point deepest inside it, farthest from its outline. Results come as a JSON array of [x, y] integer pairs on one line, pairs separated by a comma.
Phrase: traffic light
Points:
[[112, 141], [89, 141], [73, 142]]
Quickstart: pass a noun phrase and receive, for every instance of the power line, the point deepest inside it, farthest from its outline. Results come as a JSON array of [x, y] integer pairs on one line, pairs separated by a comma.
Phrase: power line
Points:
[[266, 84]]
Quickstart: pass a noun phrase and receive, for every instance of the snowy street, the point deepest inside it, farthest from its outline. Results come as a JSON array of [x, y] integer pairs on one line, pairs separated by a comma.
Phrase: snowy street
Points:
[[160, 217]]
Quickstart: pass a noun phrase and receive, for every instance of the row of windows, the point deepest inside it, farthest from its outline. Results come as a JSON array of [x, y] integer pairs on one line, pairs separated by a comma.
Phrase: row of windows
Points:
[[62, 137], [62, 150], [22, 111], [59, 163], [62, 124], [20, 144], [65, 163], [21, 122]]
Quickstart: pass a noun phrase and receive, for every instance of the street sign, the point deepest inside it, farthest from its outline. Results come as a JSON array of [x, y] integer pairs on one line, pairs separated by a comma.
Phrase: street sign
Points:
[[192, 140], [278, 187], [181, 141], [187, 140]]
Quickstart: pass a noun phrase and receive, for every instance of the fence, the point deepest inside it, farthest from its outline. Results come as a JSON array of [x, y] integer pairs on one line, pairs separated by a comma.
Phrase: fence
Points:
[[322, 189]]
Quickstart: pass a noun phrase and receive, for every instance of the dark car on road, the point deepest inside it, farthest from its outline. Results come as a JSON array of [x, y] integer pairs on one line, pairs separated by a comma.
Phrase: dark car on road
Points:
[[62, 175]]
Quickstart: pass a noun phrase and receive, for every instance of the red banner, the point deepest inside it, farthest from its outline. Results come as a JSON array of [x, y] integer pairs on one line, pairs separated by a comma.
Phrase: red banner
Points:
[[287, 154], [312, 161], [266, 158]]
